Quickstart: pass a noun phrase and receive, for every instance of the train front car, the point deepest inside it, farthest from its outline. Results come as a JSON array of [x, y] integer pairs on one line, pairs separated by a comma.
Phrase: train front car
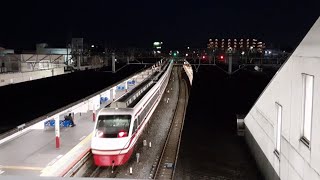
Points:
[[110, 143], [119, 126]]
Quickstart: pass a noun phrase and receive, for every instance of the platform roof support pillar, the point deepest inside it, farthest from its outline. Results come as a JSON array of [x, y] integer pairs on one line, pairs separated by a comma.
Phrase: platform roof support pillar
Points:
[[94, 113], [126, 86], [113, 93], [57, 131]]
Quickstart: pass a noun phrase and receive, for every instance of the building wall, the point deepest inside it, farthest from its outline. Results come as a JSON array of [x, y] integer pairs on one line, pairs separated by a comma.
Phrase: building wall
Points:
[[30, 62], [261, 160], [11, 78], [295, 160]]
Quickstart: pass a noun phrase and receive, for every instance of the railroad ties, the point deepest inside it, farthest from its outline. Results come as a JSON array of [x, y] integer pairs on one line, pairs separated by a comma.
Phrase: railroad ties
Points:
[[167, 162]]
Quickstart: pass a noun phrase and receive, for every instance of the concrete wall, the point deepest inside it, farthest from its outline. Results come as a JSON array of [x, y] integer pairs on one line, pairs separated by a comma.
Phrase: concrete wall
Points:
[[296, 160], [11, 78], [264, 165]]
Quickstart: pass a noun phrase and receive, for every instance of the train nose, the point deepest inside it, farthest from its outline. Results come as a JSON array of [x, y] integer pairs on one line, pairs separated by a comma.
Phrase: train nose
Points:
[[101, 160]]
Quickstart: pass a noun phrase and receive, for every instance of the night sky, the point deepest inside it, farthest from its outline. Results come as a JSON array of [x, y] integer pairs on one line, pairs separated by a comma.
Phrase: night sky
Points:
[[282, 23]]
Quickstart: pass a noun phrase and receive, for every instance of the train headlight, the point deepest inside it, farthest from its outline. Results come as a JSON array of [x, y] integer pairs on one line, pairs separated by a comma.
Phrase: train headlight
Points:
[[122, 134], [99, 134]]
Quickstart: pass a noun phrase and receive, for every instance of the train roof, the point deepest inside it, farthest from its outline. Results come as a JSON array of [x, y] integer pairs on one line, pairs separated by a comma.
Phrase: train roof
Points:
[[108, 110], [153, 77], [129, 94], [132, 97]]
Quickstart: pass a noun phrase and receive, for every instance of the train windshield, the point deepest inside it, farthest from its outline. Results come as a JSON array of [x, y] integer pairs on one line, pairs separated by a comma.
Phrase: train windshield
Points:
[[113, 126]]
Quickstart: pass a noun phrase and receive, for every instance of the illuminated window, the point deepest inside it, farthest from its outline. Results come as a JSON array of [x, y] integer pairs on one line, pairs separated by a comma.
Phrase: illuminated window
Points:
[[307, 107], [279, 122]]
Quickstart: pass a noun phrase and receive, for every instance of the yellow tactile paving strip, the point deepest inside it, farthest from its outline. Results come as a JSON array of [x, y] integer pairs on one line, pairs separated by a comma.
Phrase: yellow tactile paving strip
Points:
[[22, 168], [65, 163]]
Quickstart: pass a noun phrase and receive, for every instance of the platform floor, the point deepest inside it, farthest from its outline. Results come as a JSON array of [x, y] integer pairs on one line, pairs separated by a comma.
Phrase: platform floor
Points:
[[31, 153]]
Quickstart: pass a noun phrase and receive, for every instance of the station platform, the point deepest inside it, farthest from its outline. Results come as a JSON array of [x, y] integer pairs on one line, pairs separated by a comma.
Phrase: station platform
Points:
[[34, 152]]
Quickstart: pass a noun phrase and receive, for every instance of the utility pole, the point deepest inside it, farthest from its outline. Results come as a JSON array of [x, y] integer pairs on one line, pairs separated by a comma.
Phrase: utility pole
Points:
[[230, 63], [113, 62]]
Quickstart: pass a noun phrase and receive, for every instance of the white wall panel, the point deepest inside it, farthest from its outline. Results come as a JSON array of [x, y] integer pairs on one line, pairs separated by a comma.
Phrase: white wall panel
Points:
[[297, 160], [6, 79]]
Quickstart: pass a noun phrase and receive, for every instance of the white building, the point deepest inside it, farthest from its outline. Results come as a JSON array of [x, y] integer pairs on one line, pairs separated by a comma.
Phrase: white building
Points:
[[31, 62], [283, 127], [17, 68]]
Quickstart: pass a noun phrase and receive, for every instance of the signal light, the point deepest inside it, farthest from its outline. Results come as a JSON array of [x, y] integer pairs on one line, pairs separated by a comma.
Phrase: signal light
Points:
[[203, 57], [221, 57]]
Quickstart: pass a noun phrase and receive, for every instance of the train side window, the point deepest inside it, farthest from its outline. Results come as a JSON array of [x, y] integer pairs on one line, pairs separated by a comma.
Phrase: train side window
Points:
[[137, 123], [139, 120], [135, 126]]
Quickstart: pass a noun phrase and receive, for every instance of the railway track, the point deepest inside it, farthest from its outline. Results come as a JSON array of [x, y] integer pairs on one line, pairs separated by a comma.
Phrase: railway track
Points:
[[168, 159], [96, 171]]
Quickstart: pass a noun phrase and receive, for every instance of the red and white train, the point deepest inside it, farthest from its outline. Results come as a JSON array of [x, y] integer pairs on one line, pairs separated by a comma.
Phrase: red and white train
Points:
[[119, 126]]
